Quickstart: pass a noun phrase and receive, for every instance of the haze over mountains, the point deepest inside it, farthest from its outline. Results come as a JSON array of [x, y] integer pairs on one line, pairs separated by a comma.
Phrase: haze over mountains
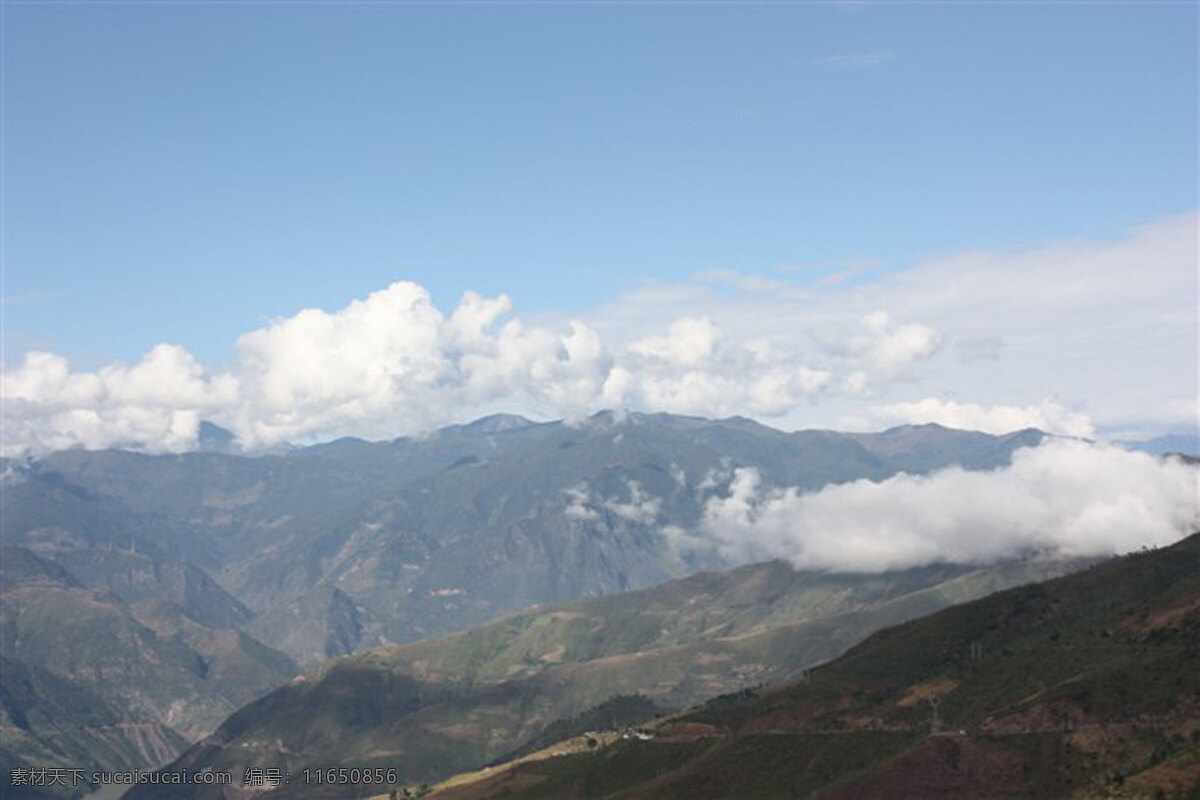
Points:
[[333, 547], [145, 581]]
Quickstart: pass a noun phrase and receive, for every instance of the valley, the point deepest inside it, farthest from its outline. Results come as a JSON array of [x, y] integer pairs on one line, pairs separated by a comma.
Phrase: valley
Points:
[[431, 605], [940, 707]]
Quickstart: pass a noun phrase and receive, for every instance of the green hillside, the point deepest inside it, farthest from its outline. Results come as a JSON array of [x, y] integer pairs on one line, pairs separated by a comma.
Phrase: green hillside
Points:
[[1084, 686], [182, 578], [430, 708], [89, 681]]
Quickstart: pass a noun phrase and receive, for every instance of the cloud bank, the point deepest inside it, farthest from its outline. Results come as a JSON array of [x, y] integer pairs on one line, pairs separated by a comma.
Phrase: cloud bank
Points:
[[159, 400], [1105, 330], [1069, 338], [387, 364], [1063, 498], [393, 363]]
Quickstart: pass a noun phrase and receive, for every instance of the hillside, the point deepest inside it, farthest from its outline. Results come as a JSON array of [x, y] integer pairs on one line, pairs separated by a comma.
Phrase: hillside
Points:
[[429, 708], [89, 681], [1080, 687], [325, 550], [195, 570]]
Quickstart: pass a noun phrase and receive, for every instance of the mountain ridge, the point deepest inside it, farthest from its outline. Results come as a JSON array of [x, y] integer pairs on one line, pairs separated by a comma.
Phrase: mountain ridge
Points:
[[327, 550], [374, 522], [1086, 685], [470, 697]]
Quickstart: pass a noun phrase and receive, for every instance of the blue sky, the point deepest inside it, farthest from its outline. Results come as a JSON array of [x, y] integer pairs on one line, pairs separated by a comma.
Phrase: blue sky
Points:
[[186, 173]]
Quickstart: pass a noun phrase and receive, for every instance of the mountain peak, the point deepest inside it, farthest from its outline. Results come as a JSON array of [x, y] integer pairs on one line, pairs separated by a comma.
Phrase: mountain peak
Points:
[[213, 438], [924, 426], [497, 423]]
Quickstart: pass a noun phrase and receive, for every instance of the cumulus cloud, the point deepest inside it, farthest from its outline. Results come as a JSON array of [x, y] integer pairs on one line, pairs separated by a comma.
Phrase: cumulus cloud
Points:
[[688, 343], [891, 347], [796, 353], [1063, 498], [160, 399], [883, 346], [1111, 323], [1048, 416], [392, 363], [695, 369], [386, 364]]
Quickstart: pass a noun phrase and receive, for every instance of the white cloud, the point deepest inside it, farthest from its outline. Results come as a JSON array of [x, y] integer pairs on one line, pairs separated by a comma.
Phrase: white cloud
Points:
[[764, 352], [1047, 416], [377, 358], [1064, 498], [641, 508], [812, 381], [579, 503], [892, 348], [387, 364], [688, 343], [857, 384], [715, 476], [160, 399], [885, 347], [692, 392], [694, 369], [1108, 328]]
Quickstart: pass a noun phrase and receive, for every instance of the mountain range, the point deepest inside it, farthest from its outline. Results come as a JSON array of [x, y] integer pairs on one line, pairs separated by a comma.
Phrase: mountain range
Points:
[[1086, 686], [170, 590], [433, 707], [328, 549]]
